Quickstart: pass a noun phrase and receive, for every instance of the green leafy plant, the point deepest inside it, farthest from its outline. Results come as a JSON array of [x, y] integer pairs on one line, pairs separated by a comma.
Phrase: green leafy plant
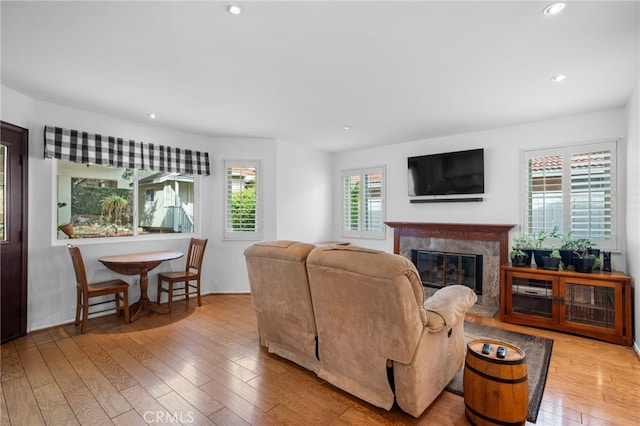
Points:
[[541, 236], [243, 210], [517, 253], [518, 257], [581, 247], [567, 241], [112, 207], [523, 242]]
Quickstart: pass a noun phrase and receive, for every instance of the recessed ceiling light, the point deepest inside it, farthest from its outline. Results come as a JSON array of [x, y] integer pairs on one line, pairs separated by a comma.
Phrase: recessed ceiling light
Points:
[[558, 78], [553, 9], [234, 9], [347, 127], [152, 116]]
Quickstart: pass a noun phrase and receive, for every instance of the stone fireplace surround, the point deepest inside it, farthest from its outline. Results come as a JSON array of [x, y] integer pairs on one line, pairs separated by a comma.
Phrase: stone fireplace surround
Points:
[[489, 240]]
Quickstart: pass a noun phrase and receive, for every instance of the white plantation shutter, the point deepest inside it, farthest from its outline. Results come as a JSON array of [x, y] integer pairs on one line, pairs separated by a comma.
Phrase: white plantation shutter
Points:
[[242, 200], [363, 203], [351, 203], [544, 189], [591, 195], [573, 188], [372, 201]]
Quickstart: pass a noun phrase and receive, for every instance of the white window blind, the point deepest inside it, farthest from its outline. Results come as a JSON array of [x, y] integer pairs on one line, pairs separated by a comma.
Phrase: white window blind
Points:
[[242, 200], [591, 195], [573, 188], [544, 188], [363, 203]]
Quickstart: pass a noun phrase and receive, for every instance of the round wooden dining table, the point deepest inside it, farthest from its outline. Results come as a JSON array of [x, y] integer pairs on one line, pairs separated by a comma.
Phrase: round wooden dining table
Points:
[[140, 264]]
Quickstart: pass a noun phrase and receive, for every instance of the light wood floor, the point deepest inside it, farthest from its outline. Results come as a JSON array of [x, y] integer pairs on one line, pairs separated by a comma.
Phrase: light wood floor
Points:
[[205, 366]]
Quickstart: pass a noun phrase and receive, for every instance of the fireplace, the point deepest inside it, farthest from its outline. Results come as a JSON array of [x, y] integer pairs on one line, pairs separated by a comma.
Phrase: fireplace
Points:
[[440, 269], [489, 241]]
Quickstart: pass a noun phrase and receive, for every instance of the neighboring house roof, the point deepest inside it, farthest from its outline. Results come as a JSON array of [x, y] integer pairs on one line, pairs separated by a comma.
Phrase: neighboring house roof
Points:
[[555, 162]]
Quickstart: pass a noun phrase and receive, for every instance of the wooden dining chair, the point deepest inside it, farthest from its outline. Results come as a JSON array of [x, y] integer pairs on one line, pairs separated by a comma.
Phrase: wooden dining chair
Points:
[[86, 291], [190, 275]]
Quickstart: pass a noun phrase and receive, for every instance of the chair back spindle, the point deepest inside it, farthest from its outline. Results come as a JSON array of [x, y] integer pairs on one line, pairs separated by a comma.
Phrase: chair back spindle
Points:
[[195, 255]]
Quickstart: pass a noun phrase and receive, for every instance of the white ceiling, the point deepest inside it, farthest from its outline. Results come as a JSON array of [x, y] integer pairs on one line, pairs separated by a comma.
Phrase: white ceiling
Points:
[[300, 71]]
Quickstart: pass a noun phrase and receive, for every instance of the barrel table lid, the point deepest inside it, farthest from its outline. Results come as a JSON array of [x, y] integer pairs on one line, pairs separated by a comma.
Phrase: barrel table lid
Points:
[[515, 355]]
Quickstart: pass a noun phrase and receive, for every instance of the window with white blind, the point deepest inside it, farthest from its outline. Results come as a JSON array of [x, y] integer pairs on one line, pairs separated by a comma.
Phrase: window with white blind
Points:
[[242, 200], [363, 203], [573, 188]]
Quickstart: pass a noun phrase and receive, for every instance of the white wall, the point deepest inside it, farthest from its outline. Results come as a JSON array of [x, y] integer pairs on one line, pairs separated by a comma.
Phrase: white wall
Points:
[[51, 285], [633, 202], [228, 273], [304, 206], [503, 170]]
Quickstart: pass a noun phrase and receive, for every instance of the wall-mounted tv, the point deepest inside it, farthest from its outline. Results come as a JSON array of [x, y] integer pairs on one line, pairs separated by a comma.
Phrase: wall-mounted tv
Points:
[[450, 173]]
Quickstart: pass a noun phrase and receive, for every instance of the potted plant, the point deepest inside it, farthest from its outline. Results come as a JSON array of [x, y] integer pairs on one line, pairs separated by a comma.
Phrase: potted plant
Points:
[[552, 262], [566, 250], [519, 258], [523, 244], [67, 229], [583, 260], [539, 252]]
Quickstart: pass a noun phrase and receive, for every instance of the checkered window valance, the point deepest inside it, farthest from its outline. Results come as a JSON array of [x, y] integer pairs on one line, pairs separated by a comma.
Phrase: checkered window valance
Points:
[[83, 147]]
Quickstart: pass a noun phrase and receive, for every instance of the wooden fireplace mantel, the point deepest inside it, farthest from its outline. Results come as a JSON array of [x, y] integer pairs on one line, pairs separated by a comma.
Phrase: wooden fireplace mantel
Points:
[[454, 231]]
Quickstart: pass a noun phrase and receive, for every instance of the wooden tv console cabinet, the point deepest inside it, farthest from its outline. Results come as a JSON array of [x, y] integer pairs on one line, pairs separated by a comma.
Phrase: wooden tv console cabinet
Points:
[[595, 305]]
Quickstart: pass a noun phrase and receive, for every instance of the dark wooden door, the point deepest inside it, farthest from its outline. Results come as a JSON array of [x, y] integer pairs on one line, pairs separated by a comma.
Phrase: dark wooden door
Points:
[[13, 231]]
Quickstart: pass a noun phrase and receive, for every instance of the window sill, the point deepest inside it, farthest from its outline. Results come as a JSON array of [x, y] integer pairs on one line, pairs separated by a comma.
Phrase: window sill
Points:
[[115, 240]]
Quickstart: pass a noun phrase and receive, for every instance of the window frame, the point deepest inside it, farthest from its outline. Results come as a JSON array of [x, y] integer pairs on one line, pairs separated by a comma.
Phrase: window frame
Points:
[[232, 235], [566, 151], [56, 241], [361, 232]]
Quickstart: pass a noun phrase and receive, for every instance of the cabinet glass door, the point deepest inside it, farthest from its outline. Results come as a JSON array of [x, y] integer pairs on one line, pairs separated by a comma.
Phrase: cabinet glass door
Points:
[[532, 296], [586, 305]]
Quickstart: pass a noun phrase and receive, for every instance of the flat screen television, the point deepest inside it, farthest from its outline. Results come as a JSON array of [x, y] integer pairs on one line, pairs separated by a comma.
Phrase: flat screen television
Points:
[[450, 173]]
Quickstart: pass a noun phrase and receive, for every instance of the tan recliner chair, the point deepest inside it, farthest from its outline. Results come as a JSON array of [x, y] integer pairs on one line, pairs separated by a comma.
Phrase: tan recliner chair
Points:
[[280, 294], [377, 337]]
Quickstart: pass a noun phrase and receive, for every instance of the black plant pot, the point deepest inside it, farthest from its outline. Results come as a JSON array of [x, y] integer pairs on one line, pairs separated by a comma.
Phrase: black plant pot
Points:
[[551, 263], [583, 265], [567, 257], [538, 254], [527, 260], [520, 261]]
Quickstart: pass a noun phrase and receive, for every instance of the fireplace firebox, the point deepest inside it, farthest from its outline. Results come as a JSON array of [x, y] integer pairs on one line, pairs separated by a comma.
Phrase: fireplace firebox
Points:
[[439, 269]]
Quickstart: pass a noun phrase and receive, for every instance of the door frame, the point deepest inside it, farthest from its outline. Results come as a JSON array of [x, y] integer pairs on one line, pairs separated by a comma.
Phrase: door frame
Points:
[[24, 152]]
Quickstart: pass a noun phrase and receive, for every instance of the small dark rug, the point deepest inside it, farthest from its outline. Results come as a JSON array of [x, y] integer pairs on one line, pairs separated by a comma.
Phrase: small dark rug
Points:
[[537, 352]]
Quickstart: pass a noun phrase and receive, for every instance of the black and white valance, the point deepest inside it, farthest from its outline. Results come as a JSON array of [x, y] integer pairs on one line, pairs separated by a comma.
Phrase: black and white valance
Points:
[[83, 147]]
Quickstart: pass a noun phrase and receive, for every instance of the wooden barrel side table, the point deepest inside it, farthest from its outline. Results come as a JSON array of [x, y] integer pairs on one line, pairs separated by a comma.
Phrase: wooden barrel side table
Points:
[[496, 390]]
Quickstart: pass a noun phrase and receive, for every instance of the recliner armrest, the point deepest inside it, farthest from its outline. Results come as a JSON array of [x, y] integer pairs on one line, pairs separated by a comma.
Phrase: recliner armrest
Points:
[[448, 306]]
